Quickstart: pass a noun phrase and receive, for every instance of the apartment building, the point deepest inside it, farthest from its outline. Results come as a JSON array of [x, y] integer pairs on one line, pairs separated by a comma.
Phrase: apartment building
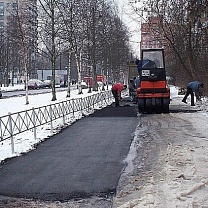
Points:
[[17, 18], [150, 34]]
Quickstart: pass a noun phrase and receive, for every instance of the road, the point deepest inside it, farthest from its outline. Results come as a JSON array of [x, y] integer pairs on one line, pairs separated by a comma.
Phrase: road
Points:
[[85, 159], [7, 94]]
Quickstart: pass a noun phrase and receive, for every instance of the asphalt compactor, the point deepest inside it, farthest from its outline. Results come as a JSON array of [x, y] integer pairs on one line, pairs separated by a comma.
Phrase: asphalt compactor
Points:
[[153, 95]]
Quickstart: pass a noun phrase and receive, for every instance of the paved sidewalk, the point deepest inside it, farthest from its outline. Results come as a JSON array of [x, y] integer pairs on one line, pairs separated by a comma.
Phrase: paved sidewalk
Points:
[[85, 159]]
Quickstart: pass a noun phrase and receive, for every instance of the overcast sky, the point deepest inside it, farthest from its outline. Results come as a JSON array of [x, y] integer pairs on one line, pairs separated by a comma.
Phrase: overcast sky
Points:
[[132, 21]]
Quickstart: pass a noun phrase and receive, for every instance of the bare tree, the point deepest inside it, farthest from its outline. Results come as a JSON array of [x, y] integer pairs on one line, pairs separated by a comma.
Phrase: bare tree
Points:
[[180, 25], [22, 35], [49, 35], [108, 37], [92, 29], [71, 16]]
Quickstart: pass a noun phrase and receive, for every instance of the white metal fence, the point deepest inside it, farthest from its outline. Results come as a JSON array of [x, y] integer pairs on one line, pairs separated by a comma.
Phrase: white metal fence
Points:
[[19, 122]]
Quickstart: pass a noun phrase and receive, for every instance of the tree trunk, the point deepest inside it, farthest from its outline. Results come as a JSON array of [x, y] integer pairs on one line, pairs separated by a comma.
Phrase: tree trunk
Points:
[[53, 53], [78, 63], [69, 75], [95, 87], [22, 35]]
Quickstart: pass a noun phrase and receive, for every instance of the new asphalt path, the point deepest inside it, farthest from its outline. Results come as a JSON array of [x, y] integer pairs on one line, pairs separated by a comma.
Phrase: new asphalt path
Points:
[[84, 159]]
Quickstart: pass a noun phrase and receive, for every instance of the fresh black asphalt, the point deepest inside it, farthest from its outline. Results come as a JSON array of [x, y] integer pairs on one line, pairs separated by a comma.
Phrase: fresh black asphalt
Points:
[[84, 159]]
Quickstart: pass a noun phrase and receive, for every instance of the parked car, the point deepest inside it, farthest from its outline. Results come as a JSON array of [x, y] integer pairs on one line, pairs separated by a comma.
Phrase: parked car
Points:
[[47, 83], [35, 84]]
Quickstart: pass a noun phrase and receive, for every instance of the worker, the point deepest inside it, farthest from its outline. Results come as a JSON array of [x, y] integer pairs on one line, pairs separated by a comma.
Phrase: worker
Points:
[[116, 91], [193, 88], [132, 90], [137, 82]]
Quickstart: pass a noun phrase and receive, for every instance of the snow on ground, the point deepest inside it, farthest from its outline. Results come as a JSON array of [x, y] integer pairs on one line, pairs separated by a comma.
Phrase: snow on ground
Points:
[[13, 88]]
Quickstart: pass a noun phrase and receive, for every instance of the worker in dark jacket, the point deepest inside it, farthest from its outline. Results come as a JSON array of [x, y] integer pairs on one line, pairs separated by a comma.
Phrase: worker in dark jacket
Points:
[[193, 88], [116, 91], [132, 89]]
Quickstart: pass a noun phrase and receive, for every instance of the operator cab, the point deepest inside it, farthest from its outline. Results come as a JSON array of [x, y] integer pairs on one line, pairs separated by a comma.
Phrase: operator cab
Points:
[[151, 66]]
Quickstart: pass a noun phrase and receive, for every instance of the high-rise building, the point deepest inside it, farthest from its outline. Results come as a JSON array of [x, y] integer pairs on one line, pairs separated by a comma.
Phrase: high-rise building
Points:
[[18, 26]]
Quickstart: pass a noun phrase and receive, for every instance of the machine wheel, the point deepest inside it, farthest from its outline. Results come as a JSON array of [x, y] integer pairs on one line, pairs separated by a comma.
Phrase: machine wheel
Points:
[[166, 105], [141, 110], [141, 105], [166, 109], [158, 105], [148, 106]]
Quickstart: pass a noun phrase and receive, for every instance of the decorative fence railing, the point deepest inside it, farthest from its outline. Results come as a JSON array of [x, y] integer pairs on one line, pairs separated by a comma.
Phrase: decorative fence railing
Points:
[[19, 122]]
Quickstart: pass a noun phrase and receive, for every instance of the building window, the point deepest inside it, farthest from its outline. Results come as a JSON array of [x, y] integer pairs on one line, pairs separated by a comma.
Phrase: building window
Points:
[[14, 5], [1, 9]]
